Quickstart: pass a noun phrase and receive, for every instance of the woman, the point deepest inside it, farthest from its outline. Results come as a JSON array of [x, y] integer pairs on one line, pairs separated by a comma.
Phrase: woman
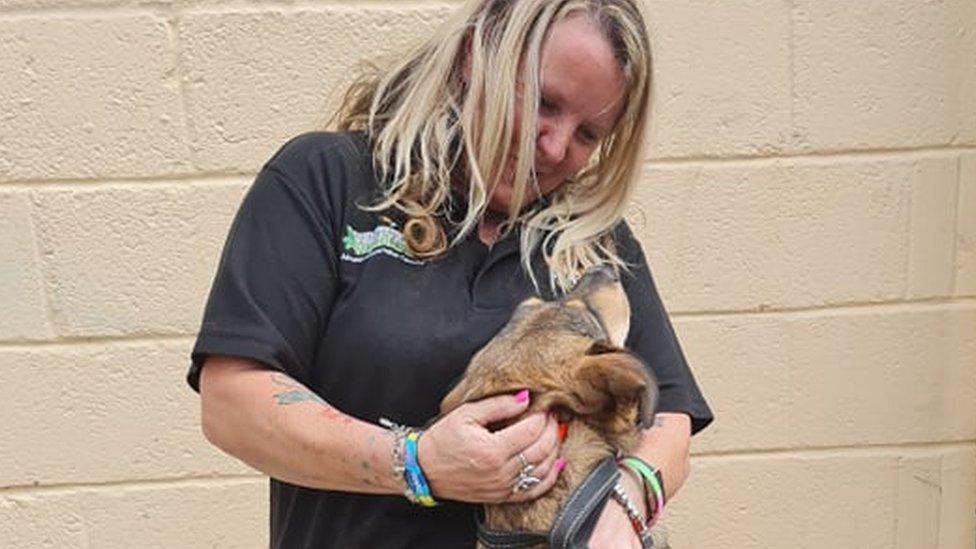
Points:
[[365, 268]]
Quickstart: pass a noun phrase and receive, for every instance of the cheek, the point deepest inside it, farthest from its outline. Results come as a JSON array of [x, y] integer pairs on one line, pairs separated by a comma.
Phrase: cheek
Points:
[[577, 158], [574, 162]]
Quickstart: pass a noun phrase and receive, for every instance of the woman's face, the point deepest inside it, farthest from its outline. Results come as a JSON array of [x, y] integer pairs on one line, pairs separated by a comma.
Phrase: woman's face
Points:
[[582, 91]]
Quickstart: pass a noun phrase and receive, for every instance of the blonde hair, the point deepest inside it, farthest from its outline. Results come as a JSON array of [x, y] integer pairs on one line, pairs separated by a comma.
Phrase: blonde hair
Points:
[[430, 126]]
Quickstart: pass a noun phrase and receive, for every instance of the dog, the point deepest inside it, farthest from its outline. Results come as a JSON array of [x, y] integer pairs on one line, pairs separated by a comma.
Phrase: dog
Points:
[[570, 354]]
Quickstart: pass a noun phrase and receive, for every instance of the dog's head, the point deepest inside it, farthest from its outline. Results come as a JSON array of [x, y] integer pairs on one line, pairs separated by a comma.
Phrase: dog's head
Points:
[[569, 353]]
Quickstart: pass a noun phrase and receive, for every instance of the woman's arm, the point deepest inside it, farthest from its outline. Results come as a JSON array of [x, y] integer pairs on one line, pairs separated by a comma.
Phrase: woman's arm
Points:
[[666, 445], [283, 429]]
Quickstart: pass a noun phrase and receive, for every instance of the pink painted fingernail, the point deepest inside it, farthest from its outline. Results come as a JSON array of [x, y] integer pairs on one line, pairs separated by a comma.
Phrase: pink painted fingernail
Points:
[[522, 396], [560, 465]]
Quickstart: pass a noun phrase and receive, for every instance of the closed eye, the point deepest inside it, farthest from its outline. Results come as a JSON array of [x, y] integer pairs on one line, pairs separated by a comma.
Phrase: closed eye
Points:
[[546, 105], [588, 136]]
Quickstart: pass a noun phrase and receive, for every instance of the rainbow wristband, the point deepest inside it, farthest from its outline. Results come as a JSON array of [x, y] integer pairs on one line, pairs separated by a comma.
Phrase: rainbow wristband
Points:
[[652, 478], [413, 474]]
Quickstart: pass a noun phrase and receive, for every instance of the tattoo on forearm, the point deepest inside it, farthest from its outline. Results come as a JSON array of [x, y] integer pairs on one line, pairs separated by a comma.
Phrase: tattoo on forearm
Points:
[[369, 466], [297, 397], [298, 394]]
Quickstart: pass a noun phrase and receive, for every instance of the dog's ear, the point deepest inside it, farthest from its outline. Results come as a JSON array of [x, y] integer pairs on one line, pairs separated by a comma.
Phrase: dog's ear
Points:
[[606, 385], [609, 304], [604, 296]]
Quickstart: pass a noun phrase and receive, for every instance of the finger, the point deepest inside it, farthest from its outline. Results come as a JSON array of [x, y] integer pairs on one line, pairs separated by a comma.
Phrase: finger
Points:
[[540, 467], [497, 408], [523, 433], [544, 449], [544, 486]]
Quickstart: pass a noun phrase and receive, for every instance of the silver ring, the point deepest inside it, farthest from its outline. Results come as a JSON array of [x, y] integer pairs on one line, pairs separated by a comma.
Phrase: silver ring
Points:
[[525, 480]]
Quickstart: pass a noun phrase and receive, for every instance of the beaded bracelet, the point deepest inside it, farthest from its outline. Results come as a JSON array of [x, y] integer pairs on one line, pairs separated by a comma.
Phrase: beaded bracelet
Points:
[[406, 467], [637, 520], [654, 482]]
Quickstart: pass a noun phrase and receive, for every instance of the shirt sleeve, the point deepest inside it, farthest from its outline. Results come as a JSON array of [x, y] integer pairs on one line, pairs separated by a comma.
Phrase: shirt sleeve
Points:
[[276, 279], [653, 339]]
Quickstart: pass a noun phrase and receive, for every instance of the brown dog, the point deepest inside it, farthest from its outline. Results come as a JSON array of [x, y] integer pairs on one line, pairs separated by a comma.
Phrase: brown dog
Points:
[[569, 354]]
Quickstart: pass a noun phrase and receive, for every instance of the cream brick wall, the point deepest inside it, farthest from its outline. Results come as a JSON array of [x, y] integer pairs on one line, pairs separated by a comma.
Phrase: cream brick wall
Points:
[[809, 210]]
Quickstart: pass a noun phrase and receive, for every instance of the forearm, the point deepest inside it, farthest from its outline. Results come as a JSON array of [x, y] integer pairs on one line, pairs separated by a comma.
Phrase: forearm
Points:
[[666, 445], [282, 429]]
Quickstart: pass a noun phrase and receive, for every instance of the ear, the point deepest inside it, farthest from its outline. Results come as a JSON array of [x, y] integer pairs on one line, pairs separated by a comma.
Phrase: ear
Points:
[[611, 307], [603, 294], [607, 384]]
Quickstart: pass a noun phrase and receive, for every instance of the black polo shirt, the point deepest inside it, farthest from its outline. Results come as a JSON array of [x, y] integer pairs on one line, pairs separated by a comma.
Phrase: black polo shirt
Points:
[[311, 284]]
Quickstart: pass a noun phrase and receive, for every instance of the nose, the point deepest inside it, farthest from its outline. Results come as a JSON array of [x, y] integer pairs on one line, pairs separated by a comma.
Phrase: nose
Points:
[[553, 142]]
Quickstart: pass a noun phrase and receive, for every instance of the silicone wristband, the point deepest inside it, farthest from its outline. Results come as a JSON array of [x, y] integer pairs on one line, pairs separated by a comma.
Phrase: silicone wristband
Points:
[[651, 476], [413, 474]]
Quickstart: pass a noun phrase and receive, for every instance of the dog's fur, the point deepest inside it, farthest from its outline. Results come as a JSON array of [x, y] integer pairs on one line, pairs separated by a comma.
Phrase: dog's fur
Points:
[[569, 354]]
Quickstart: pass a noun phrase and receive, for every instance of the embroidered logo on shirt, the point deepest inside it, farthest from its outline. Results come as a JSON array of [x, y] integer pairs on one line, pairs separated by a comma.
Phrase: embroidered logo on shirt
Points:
[[386, 240]]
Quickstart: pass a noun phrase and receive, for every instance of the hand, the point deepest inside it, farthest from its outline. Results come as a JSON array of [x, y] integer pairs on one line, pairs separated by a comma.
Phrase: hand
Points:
[[613, 528], [464, 461]]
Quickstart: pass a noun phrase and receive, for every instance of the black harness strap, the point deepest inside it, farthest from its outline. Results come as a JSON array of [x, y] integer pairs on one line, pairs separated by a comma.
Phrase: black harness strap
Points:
[[575, 521]]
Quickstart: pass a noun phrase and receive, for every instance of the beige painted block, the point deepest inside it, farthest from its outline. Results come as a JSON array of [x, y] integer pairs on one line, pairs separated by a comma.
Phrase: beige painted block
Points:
[[958, 486], [34, 4], [722, 77], [189, 515], [728, 364], [937, 499], [885, 378], [26, 523], [207, 515], [966, 231], [757, 236], [919, 502], [884, 375], [800, 502], [102, 413], [24, 314], [931, 271], [133, 259], [884, 73], [86, 97], [254, 79]]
